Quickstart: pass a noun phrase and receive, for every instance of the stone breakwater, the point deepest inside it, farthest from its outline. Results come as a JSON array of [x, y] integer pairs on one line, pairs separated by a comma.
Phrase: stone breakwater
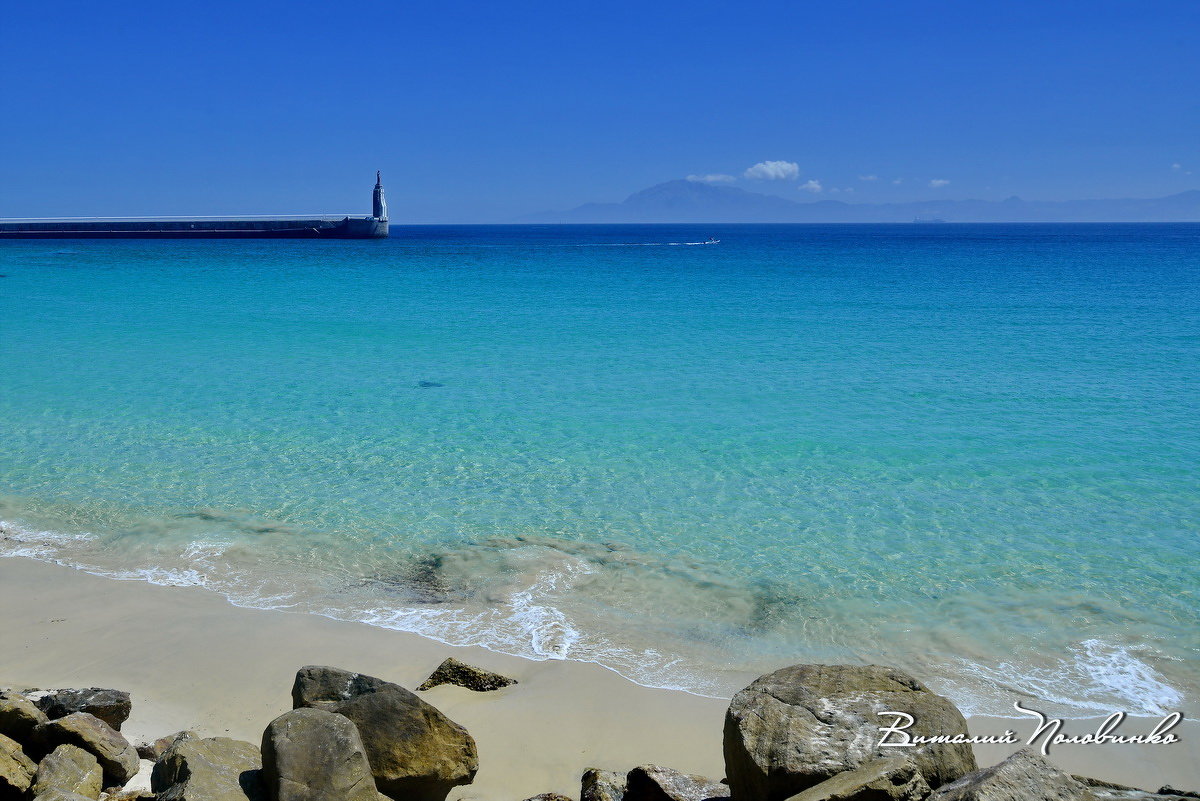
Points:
[[802, 733]]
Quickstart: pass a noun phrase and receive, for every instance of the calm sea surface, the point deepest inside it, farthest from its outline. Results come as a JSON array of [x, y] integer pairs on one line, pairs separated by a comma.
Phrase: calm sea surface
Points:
[[969, 451]]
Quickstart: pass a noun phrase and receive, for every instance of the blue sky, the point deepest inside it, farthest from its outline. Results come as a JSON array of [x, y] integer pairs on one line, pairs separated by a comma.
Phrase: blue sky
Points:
[[488, 111]]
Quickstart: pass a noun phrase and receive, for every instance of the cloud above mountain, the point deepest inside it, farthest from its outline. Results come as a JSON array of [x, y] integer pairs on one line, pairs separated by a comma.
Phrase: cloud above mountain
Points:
[[773, 171]]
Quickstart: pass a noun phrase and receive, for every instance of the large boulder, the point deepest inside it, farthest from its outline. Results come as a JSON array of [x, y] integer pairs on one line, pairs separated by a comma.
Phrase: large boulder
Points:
[[656, 783], [111, 706], [797, 727], [314, 755], [19, 717], [451, 671], [894, 779], [1024, 776], [69, 768], [16, 770], [118, 759], [602, 785], [416, 753], [212, 769]]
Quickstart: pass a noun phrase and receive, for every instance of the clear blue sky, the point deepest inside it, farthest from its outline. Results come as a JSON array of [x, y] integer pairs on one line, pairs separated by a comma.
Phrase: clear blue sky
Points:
[[487, 111]]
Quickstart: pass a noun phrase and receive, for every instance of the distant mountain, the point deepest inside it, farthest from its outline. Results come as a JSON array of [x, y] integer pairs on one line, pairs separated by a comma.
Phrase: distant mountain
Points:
[[692, 201]]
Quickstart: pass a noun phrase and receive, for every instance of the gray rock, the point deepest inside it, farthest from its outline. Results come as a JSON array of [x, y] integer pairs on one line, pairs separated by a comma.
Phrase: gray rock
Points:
[[1110, 791], [1168, 790], [416, 752], [894, 779], [152, 751], [118, 759], [212, 769], [19, 717], [451, 671], [602, 785], [69, 768], [549, 797], [315, 755], [59, 794], [325, 687], [16, 770], [796, 727], [111, 706], [656, 783], [1024, 776]]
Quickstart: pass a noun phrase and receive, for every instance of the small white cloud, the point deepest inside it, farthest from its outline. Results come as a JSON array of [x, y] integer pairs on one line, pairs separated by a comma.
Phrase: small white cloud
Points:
[[1177, 166], [713, 178], [774, 171], [868, 177], [937, 183], [812, 185], [897, 181]]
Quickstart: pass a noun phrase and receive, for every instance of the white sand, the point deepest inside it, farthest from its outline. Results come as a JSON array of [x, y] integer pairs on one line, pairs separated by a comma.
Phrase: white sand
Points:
[[192, 661]]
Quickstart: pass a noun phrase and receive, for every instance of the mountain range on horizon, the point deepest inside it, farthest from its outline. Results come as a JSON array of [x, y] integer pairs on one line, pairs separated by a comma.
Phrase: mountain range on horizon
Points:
[[687, 201]]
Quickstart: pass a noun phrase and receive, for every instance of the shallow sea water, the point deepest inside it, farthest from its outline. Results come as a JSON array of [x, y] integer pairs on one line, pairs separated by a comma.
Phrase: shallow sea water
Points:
[[969, 451]]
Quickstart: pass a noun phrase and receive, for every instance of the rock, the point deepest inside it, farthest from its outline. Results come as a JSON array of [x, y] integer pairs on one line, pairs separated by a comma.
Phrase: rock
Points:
[[59, 794], [118, 759], [1024, 775], [19, 717], [416, 753], [602, 785], [1109, 791], [315, 755], [69, 768], [152, 751], [884, 779], [212, 769], [451, 671], [16, 770], [797, 727], [549, 797], [129, 795], [655, 783], [326, 687], [1168, 790], [111, 706]]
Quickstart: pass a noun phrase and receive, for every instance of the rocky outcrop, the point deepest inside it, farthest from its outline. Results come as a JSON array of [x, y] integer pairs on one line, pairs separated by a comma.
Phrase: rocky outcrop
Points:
[[211, 769], [19, 717], [315, 755], [111, 706], [416, 753], [895, 779], [1024, 775], [656, 783], [69, 768], [118, 759], [796, 727], [451, 671], [602, 785], [16, 770], [152, 751]]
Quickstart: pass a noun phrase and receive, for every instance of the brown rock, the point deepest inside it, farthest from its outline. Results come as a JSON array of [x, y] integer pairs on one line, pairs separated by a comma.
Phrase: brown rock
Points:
[[212, 769], [1024, 776], [118, 759], [894, 779], [69, 768], [16, 770], [314, 755], [19, 717], [416, 752], [152, 751], [451, 671], [602, 785], [797, 727], [59, 794]]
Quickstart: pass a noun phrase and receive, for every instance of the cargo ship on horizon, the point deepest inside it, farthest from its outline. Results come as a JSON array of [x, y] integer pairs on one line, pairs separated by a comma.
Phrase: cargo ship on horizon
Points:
[[317, 226]]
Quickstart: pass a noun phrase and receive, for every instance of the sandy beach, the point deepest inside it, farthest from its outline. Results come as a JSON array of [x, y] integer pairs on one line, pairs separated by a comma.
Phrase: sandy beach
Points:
[[193, 661]]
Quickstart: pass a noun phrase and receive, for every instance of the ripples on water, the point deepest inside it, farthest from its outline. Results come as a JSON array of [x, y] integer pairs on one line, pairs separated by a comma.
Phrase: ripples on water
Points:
[[965, 450]]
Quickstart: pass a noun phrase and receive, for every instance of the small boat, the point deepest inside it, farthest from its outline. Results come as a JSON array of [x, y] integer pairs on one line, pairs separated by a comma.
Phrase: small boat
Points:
[[713, 241]]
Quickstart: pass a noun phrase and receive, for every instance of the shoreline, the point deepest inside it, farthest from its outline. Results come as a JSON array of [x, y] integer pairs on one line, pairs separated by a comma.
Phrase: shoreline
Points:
[[192, 660]]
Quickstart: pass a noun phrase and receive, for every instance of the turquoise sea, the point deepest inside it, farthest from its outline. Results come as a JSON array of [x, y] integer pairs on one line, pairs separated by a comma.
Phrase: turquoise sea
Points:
[[970, 451]]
